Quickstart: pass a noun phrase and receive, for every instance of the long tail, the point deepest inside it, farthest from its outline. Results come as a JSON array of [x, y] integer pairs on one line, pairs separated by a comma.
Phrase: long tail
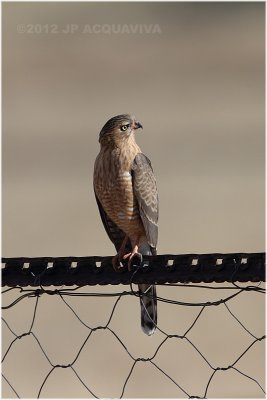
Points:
[[148, 299]]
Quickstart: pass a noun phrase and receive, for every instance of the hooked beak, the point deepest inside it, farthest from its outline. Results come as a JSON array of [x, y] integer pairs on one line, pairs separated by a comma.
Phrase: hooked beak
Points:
[[137, 125]]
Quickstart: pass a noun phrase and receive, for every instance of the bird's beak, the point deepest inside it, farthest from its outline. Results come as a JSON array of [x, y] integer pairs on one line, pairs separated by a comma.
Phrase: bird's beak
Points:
[[137, 125]]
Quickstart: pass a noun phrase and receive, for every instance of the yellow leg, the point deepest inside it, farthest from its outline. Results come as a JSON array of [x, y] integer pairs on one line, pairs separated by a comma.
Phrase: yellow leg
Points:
[[132, 254], [119, 256]]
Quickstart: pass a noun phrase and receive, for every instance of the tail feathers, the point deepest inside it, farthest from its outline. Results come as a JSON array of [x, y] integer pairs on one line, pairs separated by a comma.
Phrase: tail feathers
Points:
[[148, 297], [148, 301]]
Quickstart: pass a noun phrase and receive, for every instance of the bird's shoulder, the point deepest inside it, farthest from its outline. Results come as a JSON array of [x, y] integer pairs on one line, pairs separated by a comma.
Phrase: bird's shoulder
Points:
[[141, 161]]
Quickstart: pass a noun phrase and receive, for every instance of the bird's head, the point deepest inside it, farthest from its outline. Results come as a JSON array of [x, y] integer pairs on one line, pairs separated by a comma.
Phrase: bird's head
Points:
[[119, 128]]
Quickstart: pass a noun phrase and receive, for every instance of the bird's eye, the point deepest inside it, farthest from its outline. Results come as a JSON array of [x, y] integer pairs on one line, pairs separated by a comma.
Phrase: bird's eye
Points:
[[124, 127]]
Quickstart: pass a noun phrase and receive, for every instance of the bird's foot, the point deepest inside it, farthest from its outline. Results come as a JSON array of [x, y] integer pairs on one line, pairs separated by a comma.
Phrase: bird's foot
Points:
[[117, 260], [133, 255]]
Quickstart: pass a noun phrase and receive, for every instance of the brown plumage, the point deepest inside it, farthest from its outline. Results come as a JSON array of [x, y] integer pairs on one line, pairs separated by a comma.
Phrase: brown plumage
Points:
[[126, 194]]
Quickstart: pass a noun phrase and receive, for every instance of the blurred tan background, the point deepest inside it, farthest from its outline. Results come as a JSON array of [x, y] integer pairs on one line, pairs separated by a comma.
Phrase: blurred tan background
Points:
[[197, 86]]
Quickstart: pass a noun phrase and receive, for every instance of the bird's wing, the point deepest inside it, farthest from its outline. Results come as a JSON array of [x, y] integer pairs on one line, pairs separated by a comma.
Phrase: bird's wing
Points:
[[115, 234], [145, 190]]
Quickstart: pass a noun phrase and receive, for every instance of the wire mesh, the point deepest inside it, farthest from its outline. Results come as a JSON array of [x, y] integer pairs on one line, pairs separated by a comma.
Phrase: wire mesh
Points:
[[219, 299]]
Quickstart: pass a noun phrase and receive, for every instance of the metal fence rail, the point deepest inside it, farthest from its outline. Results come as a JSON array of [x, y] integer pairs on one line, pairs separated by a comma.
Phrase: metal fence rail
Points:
[[94, 270], [26, 280]]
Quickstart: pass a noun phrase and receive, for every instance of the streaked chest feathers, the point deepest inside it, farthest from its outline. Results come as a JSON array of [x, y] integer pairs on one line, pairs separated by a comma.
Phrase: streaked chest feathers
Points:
[[114, 187]]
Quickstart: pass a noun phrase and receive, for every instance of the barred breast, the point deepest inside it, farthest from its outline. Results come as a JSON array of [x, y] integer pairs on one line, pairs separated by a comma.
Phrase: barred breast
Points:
[[114, 189]]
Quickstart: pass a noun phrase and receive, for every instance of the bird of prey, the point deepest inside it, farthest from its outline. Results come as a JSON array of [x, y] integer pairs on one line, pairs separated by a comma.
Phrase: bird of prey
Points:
[[127, 198]]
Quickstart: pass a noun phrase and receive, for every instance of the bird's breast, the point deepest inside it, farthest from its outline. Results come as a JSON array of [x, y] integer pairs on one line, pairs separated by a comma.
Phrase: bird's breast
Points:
[[114, 188]]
